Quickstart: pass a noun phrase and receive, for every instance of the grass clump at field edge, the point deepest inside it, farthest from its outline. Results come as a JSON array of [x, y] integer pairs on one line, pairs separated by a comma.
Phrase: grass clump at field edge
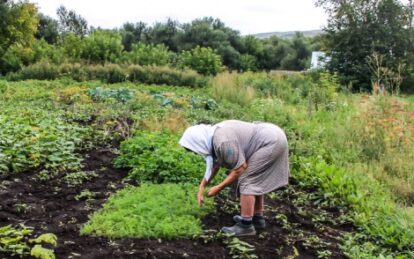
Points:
[[150, 211]]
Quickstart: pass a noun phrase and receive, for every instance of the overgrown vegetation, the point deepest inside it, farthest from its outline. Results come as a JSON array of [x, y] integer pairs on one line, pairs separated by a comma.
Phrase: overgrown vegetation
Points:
[[157, 211], [362, 167]]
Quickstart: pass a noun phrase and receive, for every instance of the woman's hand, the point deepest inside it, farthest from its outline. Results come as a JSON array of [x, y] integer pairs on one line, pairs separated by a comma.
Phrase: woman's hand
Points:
[[214, 191], [200, 196]]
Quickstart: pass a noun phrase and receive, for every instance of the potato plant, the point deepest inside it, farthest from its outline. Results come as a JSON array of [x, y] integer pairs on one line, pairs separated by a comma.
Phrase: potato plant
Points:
[[157, 158]]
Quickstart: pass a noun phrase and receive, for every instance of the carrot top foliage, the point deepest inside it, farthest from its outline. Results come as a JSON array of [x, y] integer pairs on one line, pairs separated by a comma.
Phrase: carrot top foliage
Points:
[[162, 210]]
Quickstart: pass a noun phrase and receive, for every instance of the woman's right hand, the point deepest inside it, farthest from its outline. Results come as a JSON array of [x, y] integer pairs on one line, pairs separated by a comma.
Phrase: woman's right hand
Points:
[[200, 196]]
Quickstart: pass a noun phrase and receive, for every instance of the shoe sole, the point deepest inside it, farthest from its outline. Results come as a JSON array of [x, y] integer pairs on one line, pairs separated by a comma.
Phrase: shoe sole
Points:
[[241, 235], [246, 235]]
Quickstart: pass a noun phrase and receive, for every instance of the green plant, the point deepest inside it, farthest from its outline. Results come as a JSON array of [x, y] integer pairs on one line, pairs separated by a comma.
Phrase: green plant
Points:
[[16, 241], [29, 142], [42, 253], [78, 178], [150, 211], [374, 211], [157, 157], [149, 54], [12, 239], [85, 195], [121, 94], [239, 248], [203, 60]]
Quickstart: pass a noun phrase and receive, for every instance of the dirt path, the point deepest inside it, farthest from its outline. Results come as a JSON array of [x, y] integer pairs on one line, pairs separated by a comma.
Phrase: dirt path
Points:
[[54, 207]]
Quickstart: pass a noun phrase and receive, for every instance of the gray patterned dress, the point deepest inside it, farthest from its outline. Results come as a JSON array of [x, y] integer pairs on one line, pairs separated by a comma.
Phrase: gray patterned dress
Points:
[[263, 146]]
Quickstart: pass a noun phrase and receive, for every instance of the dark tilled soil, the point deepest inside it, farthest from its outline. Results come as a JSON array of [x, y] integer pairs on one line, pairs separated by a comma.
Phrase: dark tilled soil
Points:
[[51, 207]]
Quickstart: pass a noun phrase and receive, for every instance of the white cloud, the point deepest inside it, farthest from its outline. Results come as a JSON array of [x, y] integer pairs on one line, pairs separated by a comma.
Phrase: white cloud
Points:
[[247, 16]]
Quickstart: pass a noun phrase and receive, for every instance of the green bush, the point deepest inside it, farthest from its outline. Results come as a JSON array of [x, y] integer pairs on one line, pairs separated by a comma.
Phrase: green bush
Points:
[[157, 158], [42, 70], [76, 71], [203, 60], [165, 75], [143, 54], [150, 211], [102, 46]]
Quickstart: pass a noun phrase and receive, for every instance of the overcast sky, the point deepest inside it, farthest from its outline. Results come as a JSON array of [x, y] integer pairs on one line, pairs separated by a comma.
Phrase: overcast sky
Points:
[[247, 16]]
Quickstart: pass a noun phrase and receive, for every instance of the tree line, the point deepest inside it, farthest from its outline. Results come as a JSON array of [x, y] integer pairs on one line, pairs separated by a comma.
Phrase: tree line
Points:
[[205, 41], [369, 42]]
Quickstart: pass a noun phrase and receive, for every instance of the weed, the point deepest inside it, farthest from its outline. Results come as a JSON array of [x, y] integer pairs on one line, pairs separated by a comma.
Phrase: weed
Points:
[[21, 207], [85, 195], [239, 248], [78, 178]]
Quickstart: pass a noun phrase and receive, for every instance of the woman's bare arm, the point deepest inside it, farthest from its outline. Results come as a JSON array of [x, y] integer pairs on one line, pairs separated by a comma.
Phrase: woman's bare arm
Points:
[[234, 174], [203, 184]]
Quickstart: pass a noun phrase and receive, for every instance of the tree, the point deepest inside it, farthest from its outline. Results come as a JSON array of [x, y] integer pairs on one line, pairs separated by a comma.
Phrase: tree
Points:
[[102, 46], [71, 22], [18, 24], [299, 58], [133, 33], [48, 29], [203, 60], [150, 54], [212, 33], [165, 33], [274, 50], [359, 28], [73, 46]]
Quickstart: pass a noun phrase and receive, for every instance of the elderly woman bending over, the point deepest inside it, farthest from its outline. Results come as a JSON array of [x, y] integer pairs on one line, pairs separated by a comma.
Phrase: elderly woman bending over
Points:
[[257, 156]]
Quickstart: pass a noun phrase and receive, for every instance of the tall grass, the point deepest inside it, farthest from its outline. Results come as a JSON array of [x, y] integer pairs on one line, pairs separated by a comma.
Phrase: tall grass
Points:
[[385, 141], [226, 86], [111, 73]]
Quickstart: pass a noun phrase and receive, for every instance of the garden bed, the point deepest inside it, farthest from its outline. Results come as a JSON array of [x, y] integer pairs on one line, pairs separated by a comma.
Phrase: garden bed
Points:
[[54, 207]]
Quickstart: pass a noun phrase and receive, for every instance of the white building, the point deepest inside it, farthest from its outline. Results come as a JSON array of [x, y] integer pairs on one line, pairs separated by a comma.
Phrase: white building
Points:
[[318, 60]]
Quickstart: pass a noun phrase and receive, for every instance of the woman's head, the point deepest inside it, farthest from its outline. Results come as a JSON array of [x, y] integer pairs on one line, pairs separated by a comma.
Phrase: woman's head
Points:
[[198, 139]]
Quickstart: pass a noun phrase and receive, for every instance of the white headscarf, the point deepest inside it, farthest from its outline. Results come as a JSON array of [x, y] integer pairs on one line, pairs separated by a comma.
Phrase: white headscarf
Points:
[[199, 138]]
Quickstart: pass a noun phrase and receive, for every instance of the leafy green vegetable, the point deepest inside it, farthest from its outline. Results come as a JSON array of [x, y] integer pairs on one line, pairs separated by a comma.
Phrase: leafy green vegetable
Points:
[[42, 253], [158, 158], [165, 210]]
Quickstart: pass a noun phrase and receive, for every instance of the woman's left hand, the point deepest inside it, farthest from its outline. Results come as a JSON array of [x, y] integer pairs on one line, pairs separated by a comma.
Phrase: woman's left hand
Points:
[[214, 191]]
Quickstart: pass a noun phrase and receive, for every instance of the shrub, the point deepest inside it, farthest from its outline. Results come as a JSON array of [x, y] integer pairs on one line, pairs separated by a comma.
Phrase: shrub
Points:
[[157, 158], [150, 54], [165, 75], [150, 211], [111, 73], [42, 70], [203, 60], [102, 46]]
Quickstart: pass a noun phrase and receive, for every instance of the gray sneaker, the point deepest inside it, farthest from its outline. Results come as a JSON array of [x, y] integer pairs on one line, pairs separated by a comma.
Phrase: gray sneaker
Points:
[[259, 223], [240, 230]]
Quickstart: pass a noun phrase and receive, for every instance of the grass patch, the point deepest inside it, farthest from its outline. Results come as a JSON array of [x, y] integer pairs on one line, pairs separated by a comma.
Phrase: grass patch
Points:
[[150, 211]]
